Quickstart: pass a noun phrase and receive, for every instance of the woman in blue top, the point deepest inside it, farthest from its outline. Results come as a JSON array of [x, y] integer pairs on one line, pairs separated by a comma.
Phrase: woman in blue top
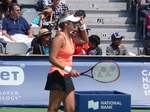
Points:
[[45, 16], [43, 42]]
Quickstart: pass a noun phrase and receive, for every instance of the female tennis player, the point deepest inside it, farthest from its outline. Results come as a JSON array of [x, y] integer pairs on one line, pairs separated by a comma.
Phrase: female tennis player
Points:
[[59, 80]]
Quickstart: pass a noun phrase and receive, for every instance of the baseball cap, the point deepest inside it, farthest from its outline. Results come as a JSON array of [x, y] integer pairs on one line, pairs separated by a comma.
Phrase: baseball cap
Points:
[[70, 18], [116, 35]]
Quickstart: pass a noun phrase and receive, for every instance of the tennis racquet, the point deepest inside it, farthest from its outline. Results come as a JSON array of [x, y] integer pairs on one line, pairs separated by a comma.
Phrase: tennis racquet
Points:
[[104, 71]]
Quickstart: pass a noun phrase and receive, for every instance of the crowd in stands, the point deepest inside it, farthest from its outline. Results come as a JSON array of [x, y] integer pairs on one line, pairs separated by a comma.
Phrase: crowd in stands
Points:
[[43, 3], [144, 23], [16, 29]]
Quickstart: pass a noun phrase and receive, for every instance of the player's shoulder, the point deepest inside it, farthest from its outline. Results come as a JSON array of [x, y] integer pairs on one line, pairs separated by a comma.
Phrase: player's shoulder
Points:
[[59, 36]]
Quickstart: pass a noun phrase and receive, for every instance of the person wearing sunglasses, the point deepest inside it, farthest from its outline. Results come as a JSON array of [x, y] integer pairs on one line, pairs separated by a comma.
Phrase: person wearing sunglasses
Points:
[[43, 42], [15, 28], [59, 81]]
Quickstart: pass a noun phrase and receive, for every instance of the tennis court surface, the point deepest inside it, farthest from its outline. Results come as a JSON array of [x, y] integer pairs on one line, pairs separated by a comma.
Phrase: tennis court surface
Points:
[[45, 110]]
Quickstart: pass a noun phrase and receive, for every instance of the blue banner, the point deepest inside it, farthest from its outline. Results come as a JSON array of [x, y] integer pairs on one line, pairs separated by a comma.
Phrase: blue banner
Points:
[[23, 78]]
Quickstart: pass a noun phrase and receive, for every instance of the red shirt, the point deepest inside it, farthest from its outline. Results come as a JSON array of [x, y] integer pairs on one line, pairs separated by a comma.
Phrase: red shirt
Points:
[[79, 47]]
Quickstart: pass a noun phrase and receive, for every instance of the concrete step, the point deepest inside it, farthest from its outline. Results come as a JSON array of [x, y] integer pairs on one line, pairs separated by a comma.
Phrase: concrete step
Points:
[[113, 26], [97, 6], [106, 34], [27, 2], [105, 17], [108, 20], [110, 14], [112, 29], [93, 1]]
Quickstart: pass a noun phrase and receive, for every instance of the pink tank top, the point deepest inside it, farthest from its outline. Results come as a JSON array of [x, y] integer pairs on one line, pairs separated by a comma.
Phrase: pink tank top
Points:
[[64, 56]]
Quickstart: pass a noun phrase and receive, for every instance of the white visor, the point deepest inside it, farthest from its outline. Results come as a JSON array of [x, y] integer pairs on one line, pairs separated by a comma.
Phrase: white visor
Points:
[[69, 18]]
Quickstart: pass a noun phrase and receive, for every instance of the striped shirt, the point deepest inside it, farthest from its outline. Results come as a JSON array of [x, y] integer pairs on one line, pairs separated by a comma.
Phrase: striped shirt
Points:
[[59, 10]]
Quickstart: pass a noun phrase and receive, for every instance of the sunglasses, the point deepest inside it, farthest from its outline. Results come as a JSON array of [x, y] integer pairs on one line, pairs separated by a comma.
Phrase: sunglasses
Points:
[[17, 10], [46, 35]]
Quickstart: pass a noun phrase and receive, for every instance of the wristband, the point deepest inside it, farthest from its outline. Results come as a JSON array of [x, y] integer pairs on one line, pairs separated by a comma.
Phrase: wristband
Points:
[[83, 27], [67, 69]]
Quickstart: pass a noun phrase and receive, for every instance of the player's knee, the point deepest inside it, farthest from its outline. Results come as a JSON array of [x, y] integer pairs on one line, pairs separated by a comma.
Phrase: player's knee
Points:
[[70, 109]]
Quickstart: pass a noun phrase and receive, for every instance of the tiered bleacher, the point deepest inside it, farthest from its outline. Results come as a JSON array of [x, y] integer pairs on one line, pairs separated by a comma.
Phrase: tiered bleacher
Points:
[[107, 16], [104, 17]]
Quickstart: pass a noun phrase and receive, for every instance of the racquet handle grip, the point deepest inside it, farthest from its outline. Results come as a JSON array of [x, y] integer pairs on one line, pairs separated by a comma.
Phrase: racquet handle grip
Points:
[[81, 73]]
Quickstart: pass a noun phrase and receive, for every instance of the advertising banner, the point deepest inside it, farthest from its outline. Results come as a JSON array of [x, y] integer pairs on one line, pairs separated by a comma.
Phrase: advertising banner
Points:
[[102, 101], [22, 79]]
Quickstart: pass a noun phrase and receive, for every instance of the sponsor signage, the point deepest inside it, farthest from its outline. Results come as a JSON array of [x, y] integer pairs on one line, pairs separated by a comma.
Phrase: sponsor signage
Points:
[[10, 75], [23, 78], [102, 101]]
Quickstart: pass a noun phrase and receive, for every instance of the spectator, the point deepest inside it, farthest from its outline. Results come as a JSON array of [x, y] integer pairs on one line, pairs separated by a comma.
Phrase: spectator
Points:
[[144, 7], [45, 16], [58, 8], [4, 7], [15, 27], [79, 13], [80, 49], [115, 48], [40, 5], [44, 3], [47, 3], [94, 42], [143, 23], [43, 42]]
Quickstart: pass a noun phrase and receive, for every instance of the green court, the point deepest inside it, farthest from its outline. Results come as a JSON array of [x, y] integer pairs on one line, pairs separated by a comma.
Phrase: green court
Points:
[[45, 110]]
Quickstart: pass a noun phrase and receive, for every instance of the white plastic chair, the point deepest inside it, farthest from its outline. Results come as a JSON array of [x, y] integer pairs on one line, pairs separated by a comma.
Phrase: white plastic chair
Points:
[[27, 2], [16, 48], [3, 49], [30, 15], [36, 30], [27, 10]]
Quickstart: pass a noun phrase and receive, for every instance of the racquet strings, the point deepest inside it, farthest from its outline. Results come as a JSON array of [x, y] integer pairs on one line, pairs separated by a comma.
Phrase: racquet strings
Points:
[[106, 72]]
